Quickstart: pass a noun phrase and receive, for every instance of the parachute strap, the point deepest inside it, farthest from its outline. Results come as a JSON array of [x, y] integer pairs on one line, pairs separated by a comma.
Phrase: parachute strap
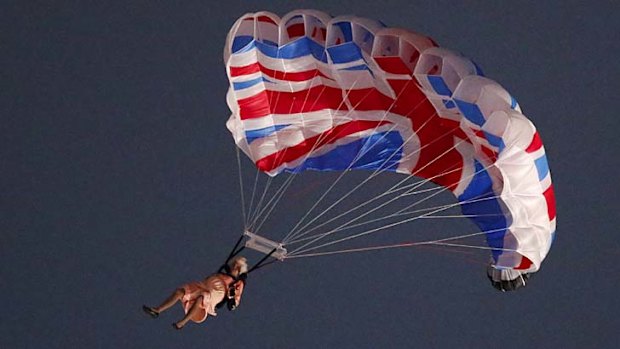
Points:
[[264, 245], [235, 251], [224, 269], [258, 243], [262, 263]]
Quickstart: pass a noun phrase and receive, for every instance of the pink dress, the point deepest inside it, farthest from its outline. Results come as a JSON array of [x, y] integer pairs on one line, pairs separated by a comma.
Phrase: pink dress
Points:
[[212, 289]]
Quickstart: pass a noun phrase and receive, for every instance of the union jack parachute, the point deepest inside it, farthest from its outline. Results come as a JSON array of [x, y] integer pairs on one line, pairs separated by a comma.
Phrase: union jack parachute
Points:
[[312, 92]]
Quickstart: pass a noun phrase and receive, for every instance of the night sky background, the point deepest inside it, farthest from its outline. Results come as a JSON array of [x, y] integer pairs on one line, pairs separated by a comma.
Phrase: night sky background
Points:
[[119, 182]]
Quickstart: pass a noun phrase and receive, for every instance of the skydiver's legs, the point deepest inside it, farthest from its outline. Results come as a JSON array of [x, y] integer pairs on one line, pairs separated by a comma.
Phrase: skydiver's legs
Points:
[[192, 311], [169, 302]]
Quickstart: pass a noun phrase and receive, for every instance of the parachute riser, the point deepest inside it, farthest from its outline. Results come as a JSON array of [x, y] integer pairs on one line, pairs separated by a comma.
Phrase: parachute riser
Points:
[[258, 243], [264, 245]]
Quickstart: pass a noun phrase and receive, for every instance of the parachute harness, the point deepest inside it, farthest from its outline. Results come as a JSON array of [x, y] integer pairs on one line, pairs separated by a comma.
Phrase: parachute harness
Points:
[[225, 269], [260, 244]]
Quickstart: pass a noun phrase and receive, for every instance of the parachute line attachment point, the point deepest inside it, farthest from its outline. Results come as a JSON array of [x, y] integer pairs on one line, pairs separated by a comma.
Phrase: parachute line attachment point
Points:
[[264, 245]]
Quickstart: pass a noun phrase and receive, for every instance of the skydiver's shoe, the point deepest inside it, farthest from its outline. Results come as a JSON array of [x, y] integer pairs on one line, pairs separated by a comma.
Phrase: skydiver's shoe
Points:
[[150, 311]]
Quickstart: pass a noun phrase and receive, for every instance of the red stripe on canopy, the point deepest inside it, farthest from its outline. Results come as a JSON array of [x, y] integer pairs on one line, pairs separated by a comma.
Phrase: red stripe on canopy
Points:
[[275, 160]]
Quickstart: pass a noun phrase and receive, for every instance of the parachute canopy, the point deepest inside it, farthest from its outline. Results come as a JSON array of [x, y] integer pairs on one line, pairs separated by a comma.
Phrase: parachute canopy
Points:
[[312, 92]]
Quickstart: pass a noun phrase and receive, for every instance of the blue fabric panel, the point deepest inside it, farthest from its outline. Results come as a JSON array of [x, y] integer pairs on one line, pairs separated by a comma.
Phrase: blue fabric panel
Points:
[[368, 37], [268, 50], [381, 150], [245, 84], [358, 67], [439, 85], [495, 140], [251, 135], [300, 47], [449, 104], [344, 53], [471, 112], [492, 215], [478, 69], [347, 32], [479, 185], [513, 102], [269, 42], [240, 42], [542, 166]]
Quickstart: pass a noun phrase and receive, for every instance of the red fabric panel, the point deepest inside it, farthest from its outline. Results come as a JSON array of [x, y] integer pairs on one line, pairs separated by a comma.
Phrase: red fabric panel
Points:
[[295, 30], [272, 161], [550, 198], [535, 144], [313, 99], [266, 19], [437, 155], [525, 263], [393, 65], [276, 74]]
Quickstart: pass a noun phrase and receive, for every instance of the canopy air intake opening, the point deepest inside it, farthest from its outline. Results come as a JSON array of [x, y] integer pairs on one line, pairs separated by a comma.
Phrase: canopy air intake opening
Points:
[[264, 245]]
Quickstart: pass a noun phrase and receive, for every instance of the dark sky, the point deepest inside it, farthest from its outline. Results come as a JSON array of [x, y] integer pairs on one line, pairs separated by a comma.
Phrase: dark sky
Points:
[[119, 182]]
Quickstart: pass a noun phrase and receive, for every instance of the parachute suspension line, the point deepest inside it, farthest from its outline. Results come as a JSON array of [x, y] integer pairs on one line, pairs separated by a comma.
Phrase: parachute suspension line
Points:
[[318, 142], [241, 188], [421, 210], [254, 216], [357, 156], [280, 193], [408, 186], [346, 225], [299, 250], [473, 246], [389, 201], [444, 207], [379, 170], [342, 174], [277, 200], [408, 192], [321, 236], [439, 242], [257, 211], [252, 199], [273, 202], [324, 194], [248, 217], [376, 173], [287, 183], [295, 230], [461, 216], [266, 189]]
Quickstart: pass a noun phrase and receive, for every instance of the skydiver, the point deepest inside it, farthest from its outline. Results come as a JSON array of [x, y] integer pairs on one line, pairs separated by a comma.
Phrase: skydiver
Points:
[[200, 298]]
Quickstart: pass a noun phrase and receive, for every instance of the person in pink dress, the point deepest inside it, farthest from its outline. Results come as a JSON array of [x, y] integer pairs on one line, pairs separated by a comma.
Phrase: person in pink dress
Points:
[[200, 298]]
